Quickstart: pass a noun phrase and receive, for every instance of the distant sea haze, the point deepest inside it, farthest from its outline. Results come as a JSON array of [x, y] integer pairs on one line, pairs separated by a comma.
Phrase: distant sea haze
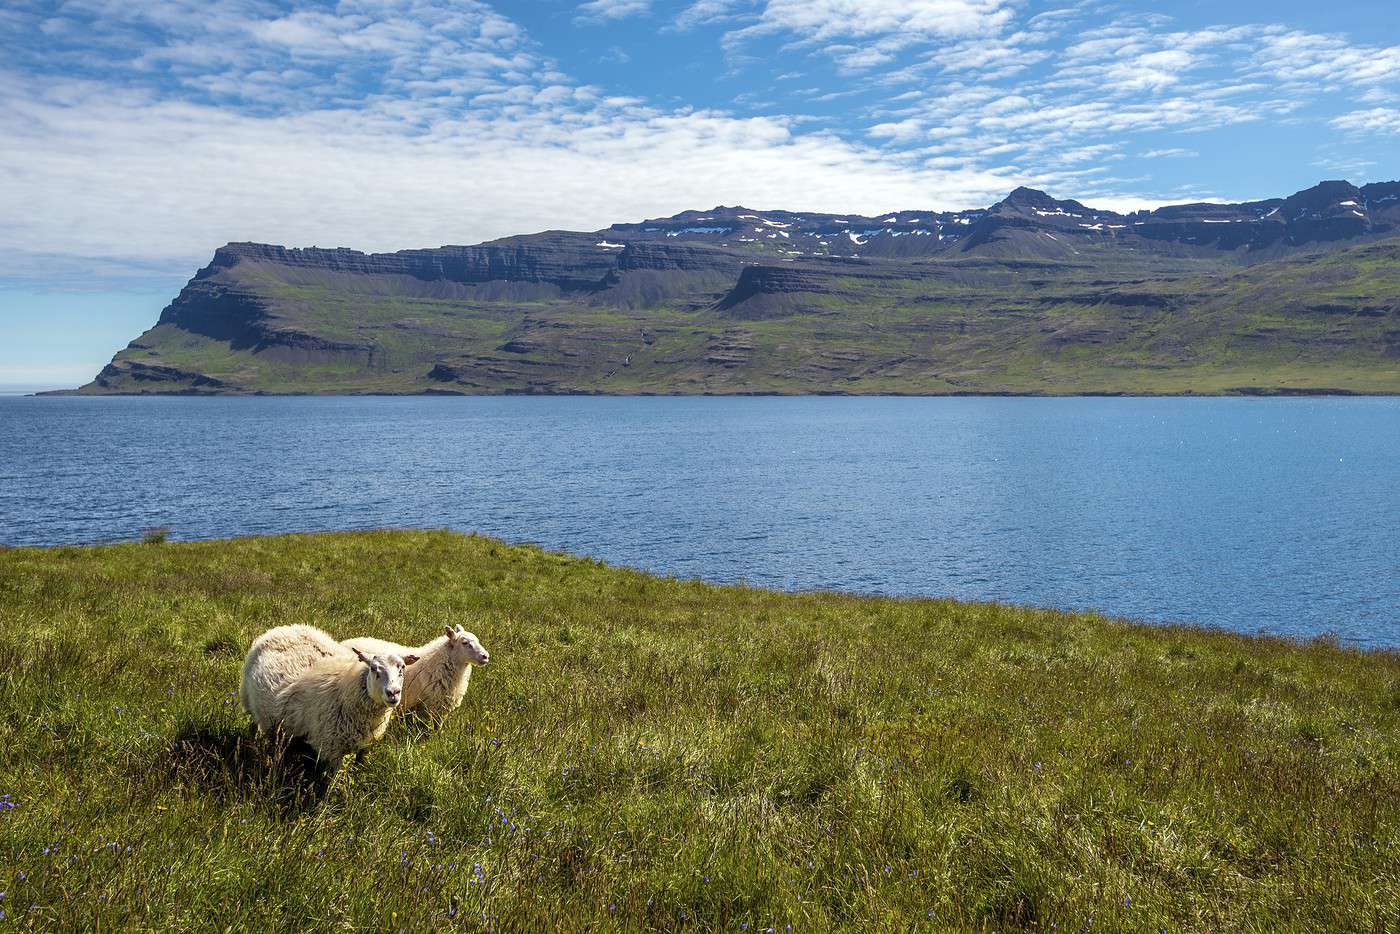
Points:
[[1273, 515]]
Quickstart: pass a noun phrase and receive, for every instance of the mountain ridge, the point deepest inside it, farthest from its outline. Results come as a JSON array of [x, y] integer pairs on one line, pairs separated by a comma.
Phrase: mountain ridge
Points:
[[1031, 294]]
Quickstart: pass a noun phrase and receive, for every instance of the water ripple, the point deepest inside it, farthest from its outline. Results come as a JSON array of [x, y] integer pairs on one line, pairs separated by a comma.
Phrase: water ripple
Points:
[[1277, 514]]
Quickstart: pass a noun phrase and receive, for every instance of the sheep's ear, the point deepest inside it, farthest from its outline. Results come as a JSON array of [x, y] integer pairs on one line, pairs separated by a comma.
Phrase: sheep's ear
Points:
[[409, 660], [449, 631], [360, 655]]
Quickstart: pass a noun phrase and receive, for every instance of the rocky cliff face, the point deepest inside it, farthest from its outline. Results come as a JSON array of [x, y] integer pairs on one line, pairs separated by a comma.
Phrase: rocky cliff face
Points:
[[684, 303], [570, 261]]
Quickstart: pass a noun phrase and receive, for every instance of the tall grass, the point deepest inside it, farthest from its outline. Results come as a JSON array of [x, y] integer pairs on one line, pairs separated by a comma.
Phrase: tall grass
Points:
[[648, 753]]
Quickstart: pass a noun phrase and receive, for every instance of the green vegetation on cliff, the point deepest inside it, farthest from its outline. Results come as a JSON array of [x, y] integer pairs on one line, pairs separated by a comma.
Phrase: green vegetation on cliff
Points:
[[1031, 296], [649, 753]]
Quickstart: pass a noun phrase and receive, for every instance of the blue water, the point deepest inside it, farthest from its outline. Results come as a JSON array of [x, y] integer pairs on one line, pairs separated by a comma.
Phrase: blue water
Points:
[[1280, 515]]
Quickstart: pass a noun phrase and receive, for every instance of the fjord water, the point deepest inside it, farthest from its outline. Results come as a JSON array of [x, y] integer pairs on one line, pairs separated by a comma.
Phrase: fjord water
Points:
[[1276, 515]]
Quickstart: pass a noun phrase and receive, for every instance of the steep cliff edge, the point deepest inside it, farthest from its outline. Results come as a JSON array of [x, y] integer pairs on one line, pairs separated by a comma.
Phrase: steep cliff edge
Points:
[[1032, 294]]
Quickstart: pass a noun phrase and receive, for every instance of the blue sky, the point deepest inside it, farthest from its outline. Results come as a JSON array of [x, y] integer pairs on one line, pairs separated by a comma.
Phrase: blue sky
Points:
[[136, 137]]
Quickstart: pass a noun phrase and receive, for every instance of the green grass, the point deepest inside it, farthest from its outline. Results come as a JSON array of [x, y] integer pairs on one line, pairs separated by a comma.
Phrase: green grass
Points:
[[649, 753]]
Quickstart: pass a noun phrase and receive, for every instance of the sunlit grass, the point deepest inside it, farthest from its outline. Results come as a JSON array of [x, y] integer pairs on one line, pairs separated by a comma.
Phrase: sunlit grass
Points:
[[652, 753]]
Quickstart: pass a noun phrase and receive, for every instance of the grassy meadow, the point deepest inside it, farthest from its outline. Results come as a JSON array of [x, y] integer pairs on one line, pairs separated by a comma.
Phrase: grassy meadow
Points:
[[647, 753]]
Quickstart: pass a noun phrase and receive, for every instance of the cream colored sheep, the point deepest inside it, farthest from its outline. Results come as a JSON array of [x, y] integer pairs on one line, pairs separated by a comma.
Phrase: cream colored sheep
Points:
[[343, 703], [437, 683], [274, 659]]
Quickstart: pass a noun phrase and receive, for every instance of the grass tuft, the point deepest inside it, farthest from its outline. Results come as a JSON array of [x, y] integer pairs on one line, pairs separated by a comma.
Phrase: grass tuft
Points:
[[156, 535]]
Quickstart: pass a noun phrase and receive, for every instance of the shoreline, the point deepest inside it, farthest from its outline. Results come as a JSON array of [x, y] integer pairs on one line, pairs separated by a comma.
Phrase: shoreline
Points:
[[1243, 392], [1179, 626]]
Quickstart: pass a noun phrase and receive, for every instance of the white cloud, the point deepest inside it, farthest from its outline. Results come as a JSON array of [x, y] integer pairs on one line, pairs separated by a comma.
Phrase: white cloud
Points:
[[1379, 96], [862, 34], [1095, 98], [151, 180], [990, 58], [1344, 165], [245, 53], [704, 12], [604, 10], [901, 130], [822, 20], [1309, 59], [1102, 152], [1150, 71], [1375, 120]]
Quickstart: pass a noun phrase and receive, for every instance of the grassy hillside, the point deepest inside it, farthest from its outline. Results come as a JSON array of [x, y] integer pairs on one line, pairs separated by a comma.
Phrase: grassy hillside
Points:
[[1104, 321], [646, 753]]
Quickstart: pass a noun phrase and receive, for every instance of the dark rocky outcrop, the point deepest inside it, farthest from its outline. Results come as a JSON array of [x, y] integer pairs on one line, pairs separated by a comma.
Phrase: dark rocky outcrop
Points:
[[768, 282], [764, 291], [130, 375], [569, 261]]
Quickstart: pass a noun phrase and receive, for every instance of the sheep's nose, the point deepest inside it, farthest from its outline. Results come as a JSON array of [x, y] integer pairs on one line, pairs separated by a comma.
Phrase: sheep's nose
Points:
[[394, 698]]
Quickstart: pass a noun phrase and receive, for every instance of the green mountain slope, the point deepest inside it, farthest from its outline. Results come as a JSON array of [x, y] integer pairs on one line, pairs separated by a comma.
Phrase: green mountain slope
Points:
[[1032, 296]]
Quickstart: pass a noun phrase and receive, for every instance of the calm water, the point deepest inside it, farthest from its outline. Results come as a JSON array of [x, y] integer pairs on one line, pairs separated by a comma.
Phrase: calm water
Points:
[[1256, 514]]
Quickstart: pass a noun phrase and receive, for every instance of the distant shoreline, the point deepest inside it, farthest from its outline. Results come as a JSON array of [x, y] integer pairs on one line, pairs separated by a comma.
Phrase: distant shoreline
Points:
[[1242, 392]]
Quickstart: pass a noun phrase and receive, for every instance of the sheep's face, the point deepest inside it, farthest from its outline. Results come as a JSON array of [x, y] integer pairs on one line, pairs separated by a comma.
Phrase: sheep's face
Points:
[[385, 681], [463, 641]]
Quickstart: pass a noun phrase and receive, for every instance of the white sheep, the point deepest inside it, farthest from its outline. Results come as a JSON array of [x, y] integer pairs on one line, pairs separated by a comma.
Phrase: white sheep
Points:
[[274, 659], [437, 683], [300, 680], [342, 704]]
